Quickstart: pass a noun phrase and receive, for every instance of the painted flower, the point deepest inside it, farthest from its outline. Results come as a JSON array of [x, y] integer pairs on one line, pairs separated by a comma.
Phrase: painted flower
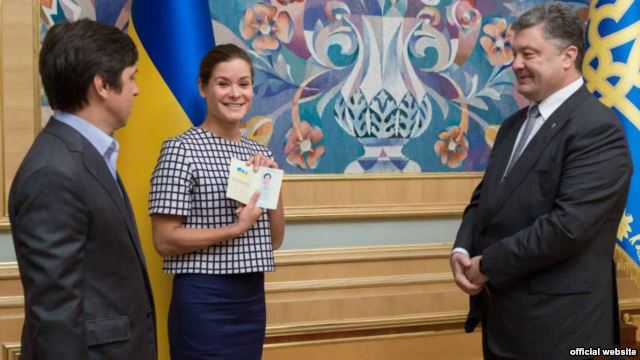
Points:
[[497, 44], [624, 228], [452, 147], [464, 15], [266, 27], [303, 147]]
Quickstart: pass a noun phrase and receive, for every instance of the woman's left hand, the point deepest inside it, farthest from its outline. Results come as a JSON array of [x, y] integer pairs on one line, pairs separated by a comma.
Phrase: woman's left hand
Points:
[[259, 159]]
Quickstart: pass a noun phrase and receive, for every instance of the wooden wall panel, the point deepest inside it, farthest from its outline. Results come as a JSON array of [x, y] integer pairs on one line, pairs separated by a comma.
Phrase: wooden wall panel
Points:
[[11, 311], [350, 303], [449, 344], [19, 97], [334, 286], [370, 196], [384, 302]]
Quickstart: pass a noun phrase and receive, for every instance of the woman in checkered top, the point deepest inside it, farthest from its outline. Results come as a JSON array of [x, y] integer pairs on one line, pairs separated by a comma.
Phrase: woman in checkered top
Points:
[[217, 248]]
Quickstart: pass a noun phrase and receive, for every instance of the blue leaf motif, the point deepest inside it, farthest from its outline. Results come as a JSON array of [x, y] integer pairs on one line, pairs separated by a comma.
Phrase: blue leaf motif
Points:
[[340, 114], [408, 115], [383, 111], [357, 113]]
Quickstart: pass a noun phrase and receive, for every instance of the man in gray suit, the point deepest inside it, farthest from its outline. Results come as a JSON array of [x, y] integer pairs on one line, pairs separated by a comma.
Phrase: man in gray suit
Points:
[[535, 248], [87, 293]]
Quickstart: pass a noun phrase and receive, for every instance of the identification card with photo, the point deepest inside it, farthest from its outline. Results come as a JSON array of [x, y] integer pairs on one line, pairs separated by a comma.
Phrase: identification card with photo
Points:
[[243, 182]]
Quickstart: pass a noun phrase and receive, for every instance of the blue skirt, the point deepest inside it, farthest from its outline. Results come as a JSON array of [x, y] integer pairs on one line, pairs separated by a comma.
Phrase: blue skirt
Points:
[[217, 317]]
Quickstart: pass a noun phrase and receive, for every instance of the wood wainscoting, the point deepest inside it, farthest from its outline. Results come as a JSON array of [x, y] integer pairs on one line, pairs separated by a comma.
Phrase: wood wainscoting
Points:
[[373, 303], [11, 311], [383, 302], [396, 302]]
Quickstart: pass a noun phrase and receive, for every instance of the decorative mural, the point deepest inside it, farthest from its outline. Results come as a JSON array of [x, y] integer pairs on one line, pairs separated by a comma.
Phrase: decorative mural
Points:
[[114, 12], [365, 86]]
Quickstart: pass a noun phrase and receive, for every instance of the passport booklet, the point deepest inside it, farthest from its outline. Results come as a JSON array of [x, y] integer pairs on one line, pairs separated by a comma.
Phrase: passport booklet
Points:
[[243, 182]]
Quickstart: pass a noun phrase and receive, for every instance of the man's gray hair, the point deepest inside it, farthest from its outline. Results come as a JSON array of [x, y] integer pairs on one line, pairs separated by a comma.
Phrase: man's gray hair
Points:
[[561, 24]]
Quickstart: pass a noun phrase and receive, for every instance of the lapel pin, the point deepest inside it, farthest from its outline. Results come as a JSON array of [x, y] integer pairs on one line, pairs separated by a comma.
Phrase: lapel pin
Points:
[[553, 125]]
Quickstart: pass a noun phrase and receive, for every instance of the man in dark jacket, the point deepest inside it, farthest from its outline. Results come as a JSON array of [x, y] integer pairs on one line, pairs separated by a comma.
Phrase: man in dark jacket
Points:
[[87, 293], [535, 248]]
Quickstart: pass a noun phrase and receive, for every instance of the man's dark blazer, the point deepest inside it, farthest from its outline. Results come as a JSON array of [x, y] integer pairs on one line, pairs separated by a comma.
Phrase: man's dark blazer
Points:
[[546, 233], [87, 293]]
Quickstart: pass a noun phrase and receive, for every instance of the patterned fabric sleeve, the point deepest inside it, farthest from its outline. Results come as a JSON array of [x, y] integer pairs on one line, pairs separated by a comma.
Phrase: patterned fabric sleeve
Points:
[[172, 181], [264, 150]]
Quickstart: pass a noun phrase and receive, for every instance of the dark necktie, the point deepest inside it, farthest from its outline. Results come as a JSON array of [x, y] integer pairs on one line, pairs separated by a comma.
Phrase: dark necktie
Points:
[[532, 115]]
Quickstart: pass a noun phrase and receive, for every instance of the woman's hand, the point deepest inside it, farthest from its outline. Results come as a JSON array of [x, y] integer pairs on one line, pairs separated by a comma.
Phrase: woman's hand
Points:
[[259, 159], [248, 214]]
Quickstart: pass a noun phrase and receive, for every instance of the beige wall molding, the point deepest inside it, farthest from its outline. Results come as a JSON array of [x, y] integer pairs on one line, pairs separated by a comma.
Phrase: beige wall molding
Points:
[[363, 338], [629, 304], [361, 254], [9, 271], [355, 283], [392, 322], [11, 351], [11, 302], [371, 196], [360, 212]]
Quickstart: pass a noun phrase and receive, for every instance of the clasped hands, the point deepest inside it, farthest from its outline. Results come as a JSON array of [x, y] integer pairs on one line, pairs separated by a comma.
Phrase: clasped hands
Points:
[[466, 273]]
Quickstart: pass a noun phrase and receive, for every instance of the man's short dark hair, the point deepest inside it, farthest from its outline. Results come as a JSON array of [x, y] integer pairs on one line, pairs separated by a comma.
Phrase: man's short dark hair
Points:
[[561, 24], [73, 53]]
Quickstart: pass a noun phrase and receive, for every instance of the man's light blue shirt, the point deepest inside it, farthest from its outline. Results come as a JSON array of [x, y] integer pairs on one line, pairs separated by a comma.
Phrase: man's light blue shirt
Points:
[[106, 145]]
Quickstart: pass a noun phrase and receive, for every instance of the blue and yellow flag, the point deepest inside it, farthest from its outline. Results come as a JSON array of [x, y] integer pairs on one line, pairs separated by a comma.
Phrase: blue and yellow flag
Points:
[[612, 70], [171, 36]]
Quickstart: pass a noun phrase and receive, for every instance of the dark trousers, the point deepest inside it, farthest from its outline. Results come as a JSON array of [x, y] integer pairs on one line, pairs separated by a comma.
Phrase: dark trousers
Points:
[[486, 350]]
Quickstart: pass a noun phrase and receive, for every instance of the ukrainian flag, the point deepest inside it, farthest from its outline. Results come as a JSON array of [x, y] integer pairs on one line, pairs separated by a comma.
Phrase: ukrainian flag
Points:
[[612, 70], [172, 36]]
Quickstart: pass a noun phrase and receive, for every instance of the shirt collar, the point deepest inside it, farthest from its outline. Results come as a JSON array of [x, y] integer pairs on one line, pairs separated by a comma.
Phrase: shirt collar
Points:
[[98, 138], [553, 101]]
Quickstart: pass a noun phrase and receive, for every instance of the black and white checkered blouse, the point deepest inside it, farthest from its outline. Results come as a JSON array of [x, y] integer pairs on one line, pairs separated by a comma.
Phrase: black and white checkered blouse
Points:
[[190, 180]]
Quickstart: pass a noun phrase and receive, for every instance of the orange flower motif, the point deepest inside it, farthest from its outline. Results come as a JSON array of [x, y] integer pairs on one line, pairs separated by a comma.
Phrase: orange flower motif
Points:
[[490, 134], [497, 44], [266, 26], [302, 148], [452, 147], [259, 129]]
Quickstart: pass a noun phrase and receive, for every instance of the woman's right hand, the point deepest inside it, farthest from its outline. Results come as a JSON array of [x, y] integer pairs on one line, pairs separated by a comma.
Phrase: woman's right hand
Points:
[[248, 214]]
